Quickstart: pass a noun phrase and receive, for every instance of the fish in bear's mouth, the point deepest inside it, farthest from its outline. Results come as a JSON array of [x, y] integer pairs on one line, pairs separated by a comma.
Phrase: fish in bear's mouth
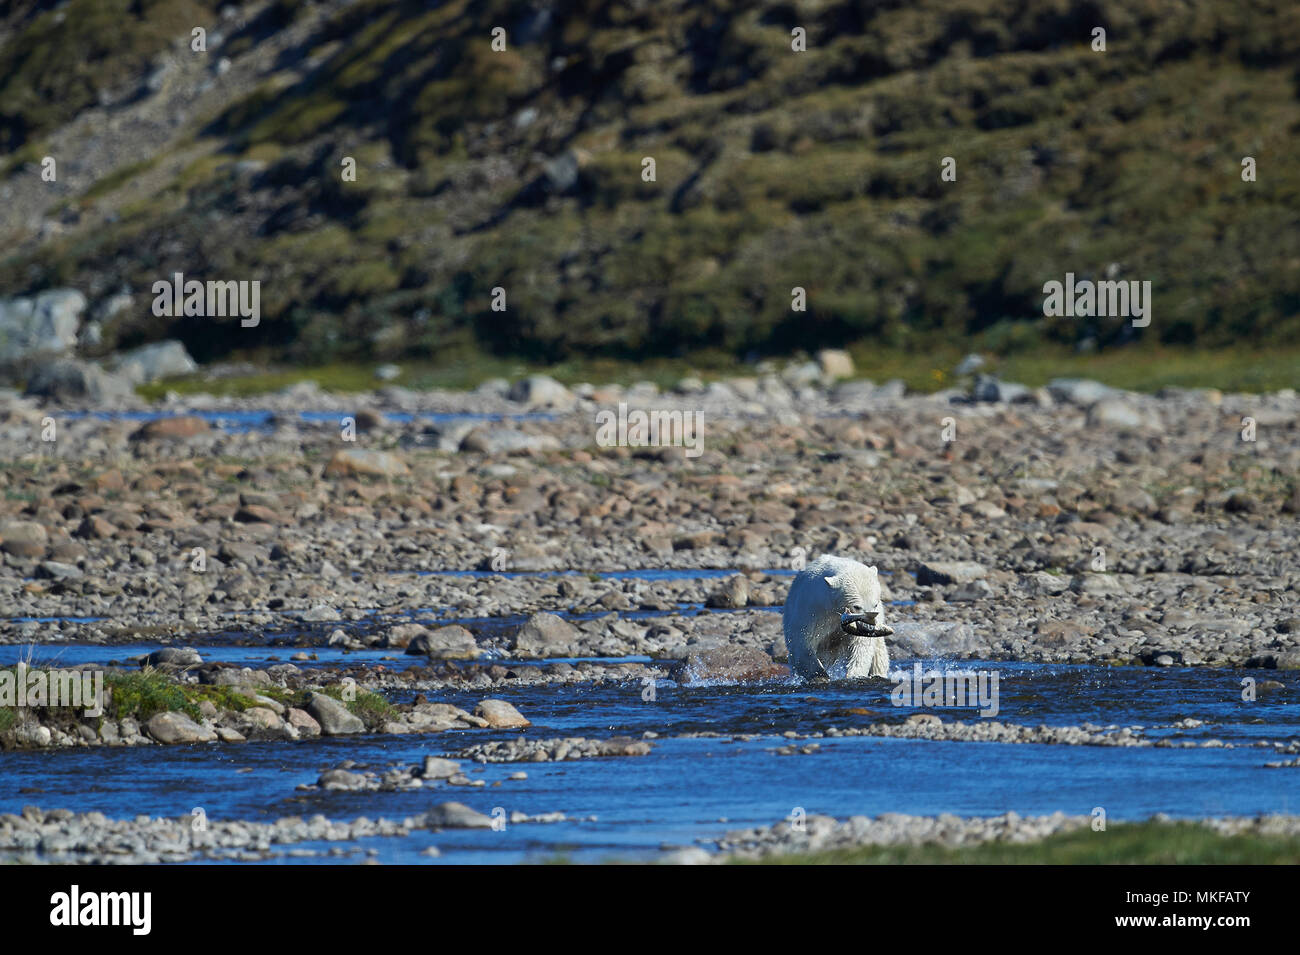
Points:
[[864, 625]]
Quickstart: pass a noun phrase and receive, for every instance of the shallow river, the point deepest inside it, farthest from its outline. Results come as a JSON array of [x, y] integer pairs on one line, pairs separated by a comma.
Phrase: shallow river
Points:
[[697, 788]]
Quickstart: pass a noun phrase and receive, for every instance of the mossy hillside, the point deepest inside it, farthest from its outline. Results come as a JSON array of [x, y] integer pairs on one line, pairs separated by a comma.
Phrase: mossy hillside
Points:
[[775, 170], [56, 62]]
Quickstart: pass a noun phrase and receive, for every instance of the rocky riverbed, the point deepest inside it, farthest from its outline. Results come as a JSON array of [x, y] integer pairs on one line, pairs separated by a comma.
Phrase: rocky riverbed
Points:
[[305, 566]]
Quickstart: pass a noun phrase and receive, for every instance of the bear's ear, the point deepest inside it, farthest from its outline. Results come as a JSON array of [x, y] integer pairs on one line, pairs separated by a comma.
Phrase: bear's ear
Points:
[[833, 581], [872, 568]]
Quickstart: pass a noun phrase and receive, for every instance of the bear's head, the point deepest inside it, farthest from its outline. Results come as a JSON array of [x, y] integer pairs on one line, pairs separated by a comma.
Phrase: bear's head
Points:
[[855, 594]]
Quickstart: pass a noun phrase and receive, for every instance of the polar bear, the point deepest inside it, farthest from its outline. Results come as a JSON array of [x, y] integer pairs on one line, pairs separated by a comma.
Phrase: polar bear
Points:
[[835, 622]]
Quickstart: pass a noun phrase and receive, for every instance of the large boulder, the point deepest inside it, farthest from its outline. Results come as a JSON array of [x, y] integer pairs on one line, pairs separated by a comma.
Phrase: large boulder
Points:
[[507, 441], [148, 363], [934, 640], [500, 715], [173, 656], [835, 363], [351, 462], [1081, 392], [42, 325], [453, 642], [949, 572], [177, 728], [542, 391], [65, 379], [23, 538], [1120, 414], [544, 635], [990, 389], [172, 428], [455, 815], [733, 593], [333, 716]]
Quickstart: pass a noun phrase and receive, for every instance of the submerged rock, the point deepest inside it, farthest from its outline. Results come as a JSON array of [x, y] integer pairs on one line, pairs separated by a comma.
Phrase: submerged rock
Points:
[[729, 664], [455, 815]]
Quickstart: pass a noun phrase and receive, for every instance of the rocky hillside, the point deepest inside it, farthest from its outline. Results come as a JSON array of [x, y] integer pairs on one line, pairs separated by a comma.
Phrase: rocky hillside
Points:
[[524, 169]]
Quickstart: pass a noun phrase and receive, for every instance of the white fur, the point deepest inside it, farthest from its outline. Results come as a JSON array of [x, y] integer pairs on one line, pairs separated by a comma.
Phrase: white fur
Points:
[[821, 592]]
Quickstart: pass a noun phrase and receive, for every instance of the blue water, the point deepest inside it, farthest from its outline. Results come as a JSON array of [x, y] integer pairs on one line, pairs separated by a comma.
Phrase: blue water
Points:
[[243, 421], [257, 657], [679, 792]]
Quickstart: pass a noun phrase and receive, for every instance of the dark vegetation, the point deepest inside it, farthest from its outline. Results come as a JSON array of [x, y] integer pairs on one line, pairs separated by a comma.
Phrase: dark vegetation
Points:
[[775, 169]]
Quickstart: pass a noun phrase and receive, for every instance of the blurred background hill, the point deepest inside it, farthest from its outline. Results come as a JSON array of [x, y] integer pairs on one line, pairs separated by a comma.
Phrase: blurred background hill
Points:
[[523, 169]]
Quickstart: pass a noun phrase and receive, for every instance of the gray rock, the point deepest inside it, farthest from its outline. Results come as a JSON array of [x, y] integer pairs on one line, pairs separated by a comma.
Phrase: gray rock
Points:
[[507, 441], [23, 538], [1122, 415], [166, 359], [341, 779], [59, 571], [542, 391], [560, 173], [949, 572], [446, 643], [500, 715], [177, 728], [236, 676], [988, 388], [33, 734], [543, 634], [835, 363], [175, 656], [729, 664], [353, 462], [733, 593], [1081, 392], [333, 716], [65, 379], [455, 815], [320, 614], [974, 590], [302, 721], [46, 324], [933, 639], [805, 373], [435, 767]]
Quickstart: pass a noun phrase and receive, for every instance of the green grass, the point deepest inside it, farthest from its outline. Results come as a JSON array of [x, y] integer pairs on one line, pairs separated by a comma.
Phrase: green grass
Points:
[[145, 694], [1148, 843], [372, 708], [142, 695]]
